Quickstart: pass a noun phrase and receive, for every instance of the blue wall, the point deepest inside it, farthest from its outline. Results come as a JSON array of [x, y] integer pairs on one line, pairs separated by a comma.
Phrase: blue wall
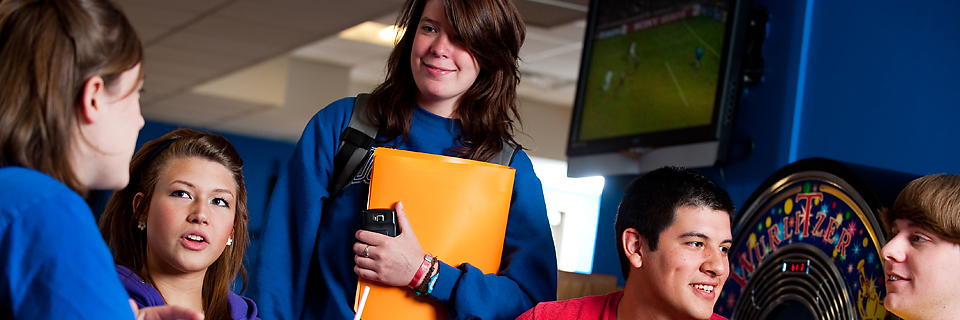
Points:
[[883, 85], [875, 83]]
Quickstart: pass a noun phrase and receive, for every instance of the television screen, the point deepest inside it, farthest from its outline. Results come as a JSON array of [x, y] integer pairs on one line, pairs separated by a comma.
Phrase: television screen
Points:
[[657, 73]]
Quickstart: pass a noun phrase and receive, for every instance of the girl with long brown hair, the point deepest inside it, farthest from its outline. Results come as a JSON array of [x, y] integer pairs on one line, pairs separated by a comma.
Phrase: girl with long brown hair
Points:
[[450, 89], [179, 229], [70, 76]]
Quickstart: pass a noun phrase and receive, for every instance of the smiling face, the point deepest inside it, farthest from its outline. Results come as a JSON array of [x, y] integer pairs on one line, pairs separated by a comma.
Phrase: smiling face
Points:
[[920, 270], [683, 277], [190, 217], [442, 68]]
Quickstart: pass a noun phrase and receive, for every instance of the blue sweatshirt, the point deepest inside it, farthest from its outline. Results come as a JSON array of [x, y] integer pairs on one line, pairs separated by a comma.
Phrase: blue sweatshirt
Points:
[[53, 261], [304, 268]]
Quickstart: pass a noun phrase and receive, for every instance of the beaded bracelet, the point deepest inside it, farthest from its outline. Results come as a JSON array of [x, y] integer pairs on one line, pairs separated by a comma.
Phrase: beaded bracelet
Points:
[[426, 287], [433, 281]]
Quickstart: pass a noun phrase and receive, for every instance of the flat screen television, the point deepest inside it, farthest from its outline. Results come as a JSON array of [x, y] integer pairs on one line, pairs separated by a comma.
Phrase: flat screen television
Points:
[[658, 74]]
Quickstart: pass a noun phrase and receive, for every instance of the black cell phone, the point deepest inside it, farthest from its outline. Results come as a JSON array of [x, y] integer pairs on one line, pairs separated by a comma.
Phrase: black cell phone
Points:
[[382, 221]]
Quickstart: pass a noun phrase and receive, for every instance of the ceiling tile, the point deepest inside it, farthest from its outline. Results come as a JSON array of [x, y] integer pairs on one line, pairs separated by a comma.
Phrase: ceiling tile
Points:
[[190, 6], [192, 56], [153, 19], [231, 29], [343, 51], [159, 85], [200, 110], [251, 52], [317, 18], [179, 70], [545, 15]]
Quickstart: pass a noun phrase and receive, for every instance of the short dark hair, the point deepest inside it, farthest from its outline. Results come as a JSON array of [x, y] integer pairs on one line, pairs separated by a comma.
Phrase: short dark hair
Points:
[[650, 202]]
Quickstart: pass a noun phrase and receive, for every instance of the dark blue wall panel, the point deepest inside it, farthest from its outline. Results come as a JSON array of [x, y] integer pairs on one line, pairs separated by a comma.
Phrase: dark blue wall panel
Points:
[[883, 85]]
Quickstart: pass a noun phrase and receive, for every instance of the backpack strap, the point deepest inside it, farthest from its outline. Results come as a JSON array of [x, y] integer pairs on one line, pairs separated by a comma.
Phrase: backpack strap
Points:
[[357, 139], [355, 143], [505, 157]]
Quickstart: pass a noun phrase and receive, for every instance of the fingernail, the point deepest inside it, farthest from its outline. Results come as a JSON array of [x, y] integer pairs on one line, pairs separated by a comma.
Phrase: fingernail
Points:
[[400, 204]]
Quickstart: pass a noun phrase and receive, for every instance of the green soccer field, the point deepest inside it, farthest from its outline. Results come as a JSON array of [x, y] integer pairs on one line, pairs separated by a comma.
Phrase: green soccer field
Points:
[[665, 90]]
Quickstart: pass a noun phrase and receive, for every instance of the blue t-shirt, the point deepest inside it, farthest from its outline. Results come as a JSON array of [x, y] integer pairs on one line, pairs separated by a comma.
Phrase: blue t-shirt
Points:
[[304, 268], [54, 262]]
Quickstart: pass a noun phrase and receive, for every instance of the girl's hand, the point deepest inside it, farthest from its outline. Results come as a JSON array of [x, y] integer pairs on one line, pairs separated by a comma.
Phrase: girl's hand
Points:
[[164, 313], [389, 260]]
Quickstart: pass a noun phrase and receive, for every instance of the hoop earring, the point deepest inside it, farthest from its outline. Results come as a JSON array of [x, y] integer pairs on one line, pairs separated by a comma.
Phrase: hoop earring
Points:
[[142, 225]]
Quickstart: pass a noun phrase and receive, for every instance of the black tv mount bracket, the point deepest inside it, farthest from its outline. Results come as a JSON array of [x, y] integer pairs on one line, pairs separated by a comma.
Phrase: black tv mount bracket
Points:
[[753, 63]]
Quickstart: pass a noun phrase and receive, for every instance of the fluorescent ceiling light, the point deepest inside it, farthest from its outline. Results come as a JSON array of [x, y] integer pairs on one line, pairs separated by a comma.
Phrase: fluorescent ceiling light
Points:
[[372, 32]]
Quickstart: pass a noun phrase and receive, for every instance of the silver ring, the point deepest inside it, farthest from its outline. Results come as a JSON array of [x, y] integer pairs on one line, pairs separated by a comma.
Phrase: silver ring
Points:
[[365, 255]]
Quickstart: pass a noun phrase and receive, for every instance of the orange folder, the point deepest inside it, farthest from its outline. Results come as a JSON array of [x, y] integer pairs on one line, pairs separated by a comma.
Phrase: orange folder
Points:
[[458, 208]]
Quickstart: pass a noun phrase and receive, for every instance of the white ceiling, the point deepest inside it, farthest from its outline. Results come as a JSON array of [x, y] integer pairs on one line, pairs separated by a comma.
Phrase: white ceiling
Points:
[[225, 64]]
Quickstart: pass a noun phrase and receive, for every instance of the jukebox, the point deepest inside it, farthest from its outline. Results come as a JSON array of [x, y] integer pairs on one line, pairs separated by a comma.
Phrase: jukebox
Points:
[[807, 244]]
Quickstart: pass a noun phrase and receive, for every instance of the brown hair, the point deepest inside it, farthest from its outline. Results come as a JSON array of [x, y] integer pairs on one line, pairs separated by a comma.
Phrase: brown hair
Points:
[[492, 31], [932, 202], [48, 51], [119, 221]]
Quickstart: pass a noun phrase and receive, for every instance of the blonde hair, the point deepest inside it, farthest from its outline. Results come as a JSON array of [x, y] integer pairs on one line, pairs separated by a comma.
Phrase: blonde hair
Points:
[[931, 202]]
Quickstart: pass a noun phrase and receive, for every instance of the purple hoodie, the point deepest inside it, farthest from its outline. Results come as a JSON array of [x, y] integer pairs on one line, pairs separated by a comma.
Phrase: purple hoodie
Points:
[[241, 308]]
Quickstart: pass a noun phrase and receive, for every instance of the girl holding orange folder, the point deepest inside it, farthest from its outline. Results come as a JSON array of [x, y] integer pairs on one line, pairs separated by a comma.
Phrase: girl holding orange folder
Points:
[[450, 89]]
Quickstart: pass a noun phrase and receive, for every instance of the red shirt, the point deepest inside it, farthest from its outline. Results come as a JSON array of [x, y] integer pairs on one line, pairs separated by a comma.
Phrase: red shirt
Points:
[[593, 307]]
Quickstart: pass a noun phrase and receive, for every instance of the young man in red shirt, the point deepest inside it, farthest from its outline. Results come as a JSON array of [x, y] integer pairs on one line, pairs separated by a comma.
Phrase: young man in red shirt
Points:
[[673, 227]]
